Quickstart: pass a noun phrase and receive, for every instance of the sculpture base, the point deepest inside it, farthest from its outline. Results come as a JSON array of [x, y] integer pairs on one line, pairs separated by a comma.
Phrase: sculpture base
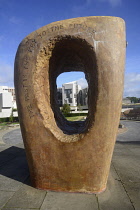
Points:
[[83, 192]]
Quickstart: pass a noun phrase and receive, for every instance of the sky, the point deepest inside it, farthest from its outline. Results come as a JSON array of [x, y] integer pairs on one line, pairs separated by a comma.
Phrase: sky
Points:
[[18, 18]]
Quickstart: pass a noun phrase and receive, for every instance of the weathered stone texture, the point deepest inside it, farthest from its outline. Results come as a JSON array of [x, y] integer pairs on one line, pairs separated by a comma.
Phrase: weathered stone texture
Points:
[[62, 155]]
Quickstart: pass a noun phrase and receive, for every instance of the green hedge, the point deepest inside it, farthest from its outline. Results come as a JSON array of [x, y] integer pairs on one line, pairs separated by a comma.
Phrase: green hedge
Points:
[[7, 119]]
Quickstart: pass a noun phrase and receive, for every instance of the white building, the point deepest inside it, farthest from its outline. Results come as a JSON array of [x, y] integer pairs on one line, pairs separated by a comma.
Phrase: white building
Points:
[[126, 101], [7, 101], [69, 93], [59, 96], [5, 104]]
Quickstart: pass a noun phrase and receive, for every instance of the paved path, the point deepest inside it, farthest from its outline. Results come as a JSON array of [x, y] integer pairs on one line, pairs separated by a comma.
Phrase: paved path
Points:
[[16, 193], [13, 137], [133, 132]]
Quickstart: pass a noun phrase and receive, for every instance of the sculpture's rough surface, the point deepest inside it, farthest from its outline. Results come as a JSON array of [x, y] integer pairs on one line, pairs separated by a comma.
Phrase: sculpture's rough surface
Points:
[[62, 155]]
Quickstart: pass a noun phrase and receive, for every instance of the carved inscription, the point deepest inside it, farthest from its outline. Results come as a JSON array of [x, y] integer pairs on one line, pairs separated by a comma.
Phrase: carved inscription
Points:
[[26, 62], [84, 27], [49, 30], [26, 86], [25, 78], [30, 110], [61, 27]]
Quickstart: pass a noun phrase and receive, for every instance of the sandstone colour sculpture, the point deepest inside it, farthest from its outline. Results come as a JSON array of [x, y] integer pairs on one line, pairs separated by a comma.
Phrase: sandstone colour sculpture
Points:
[[63, 155]]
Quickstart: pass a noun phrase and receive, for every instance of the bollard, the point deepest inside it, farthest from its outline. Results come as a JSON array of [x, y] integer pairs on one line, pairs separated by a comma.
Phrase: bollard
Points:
[[63, 155]]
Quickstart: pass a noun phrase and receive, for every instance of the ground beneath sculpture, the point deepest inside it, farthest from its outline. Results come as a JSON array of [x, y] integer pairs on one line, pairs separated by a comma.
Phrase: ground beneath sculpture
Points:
[[122, 130], [122, 189], [131, 134], [13, 137]]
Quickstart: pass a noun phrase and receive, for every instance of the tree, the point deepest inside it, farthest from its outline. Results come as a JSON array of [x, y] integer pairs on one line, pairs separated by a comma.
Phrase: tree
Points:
[[11, 118], [134, 99], [66, 109]]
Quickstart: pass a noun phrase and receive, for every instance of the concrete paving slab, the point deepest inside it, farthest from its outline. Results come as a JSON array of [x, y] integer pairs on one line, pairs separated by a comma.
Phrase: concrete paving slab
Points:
[[69, 201], [3, 147], [133, 190], [128, 168], [135, 151], [127, 149], [123, 189], [9, 184], [122, 152], [20, 145], [115, 196], [4, 197], [3, 132], [127, 145], [13, 174], [7, 154], [17, 209], [132, 134], [13, 137], [27, 197]]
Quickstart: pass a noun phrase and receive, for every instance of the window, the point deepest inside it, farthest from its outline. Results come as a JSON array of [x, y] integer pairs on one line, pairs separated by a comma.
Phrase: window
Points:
[[68, 92], [70, 100]]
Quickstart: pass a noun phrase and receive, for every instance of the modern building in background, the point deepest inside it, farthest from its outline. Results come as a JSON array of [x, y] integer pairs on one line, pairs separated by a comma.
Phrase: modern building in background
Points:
[[82, 98], [126, 101], [59, 96], [70, 93], [7, 101]]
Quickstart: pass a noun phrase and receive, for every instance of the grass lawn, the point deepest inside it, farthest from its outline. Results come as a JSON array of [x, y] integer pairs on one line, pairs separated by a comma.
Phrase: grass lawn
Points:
[[8, 123], [4, 125], [75, 118]]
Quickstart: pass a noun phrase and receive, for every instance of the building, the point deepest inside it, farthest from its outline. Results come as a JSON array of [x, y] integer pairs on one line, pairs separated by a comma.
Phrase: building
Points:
[[5, 104], [126, 101], [5, 89], [69, 94], [59, 96], [82, 98], [7, 101]]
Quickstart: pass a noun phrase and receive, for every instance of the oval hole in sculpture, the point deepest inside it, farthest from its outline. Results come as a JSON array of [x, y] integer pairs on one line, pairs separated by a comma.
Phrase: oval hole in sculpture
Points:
[[68, 55], [72, 95]]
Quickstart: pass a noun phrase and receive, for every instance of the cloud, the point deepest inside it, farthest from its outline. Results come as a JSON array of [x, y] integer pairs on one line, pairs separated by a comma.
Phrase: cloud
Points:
[[15, 20], [79, 9], [6, 75], [132, 78], [82, 82], [132, 85], [113, 3]]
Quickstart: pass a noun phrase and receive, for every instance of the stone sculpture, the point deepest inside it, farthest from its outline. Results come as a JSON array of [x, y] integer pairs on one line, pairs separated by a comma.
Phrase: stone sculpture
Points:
[[63, 155]]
